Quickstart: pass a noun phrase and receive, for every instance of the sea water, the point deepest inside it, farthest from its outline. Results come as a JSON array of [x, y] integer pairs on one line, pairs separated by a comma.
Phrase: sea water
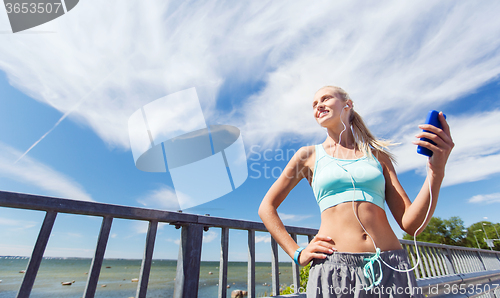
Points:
[[116, 277]]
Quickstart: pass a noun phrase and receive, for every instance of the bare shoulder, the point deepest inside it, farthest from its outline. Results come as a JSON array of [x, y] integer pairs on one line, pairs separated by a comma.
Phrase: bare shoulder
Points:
[[384, 159], [305, 155], [303, 159], [306, 151]]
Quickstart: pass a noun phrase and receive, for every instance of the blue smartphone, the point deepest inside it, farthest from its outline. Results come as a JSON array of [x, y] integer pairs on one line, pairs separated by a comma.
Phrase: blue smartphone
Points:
[[433, 119]]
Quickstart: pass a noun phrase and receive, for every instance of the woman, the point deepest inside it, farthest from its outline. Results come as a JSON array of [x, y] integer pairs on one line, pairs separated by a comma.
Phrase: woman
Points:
[[352, 174]]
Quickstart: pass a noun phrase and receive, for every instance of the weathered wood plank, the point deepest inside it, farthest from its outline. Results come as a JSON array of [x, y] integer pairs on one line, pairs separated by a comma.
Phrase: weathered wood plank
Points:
[[188, 261], [95, 267], [275, 268], [224, 246], [142, 287], [295, 270], [37, 255], [251, 264]]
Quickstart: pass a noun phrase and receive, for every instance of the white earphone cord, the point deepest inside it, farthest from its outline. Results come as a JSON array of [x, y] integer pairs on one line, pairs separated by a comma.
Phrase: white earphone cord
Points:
[[414, 235], [355, 214]]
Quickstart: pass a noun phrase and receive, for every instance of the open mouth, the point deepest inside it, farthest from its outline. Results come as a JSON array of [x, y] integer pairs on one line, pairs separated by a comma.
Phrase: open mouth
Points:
[[322, 113]]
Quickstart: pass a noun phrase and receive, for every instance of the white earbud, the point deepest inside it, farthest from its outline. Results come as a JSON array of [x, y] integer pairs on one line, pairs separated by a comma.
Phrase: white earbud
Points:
[[346, 106]]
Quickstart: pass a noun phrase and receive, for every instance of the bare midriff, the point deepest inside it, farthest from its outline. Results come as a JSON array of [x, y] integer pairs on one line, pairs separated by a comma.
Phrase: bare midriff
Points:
[[340, 224]]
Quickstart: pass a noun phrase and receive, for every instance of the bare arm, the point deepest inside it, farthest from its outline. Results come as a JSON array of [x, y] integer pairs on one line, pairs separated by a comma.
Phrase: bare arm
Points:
[[410, 216], [294, 172]]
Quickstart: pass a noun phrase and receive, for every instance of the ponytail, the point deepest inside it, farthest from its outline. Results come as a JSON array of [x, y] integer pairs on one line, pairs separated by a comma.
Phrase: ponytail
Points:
[[364, 139]]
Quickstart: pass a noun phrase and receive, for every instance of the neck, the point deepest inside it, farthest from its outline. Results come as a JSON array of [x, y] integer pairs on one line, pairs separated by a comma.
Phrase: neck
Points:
[[347, 148], [347, 140]]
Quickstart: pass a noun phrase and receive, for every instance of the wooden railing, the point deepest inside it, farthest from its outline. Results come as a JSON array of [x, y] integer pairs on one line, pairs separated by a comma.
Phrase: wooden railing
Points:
[[440, 263], [188, 263]]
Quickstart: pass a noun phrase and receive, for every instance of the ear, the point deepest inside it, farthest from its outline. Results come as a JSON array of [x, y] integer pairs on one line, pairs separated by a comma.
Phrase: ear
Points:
[[349, 103]]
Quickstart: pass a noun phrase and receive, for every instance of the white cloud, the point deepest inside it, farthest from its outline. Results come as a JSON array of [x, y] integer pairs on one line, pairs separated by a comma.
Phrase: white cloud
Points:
[[110, 66], [32, 172], [161, 198], [175, 241], [471, 169], [141, 227], [292, 217], [475, 156], [397, 60], [17, 224], [486, 199], [209, 236], [264, 238], [395, 53]]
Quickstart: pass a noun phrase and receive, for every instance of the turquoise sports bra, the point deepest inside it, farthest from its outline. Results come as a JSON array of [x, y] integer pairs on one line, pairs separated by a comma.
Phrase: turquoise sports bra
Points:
[[332, 185]]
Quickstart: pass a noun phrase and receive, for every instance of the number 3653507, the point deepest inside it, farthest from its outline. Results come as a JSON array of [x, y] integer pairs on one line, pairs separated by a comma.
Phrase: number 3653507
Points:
[[32, 7], [468, 289]]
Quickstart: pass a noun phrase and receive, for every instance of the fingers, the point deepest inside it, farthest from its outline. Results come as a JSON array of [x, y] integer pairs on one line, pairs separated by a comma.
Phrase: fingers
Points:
[[427, 145], [431, 136], [321, 244], [306, 257], [319, 247], [444, 124], [444, 133], [321, 237], [441, 146], [434, 130], [441, 137]]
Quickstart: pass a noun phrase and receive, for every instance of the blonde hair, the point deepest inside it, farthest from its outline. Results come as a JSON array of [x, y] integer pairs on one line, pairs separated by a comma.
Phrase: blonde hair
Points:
[[365, 140]]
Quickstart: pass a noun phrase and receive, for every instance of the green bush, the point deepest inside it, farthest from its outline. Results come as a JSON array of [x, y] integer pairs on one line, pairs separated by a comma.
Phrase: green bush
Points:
[[304, 277]]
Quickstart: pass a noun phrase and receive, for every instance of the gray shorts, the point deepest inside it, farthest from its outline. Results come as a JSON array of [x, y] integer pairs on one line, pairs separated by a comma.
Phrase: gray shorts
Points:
[[341, 275]]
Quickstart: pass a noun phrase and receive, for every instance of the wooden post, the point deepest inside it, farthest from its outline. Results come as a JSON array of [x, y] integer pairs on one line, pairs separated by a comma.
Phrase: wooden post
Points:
[[37, 255], [95, 268], [142, 287], [251, 263], [295, 270], [188, 262], [224, 244], [275, 268]]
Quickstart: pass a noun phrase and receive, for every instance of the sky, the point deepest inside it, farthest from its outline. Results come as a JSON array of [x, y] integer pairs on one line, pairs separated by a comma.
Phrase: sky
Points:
[[68, 88]]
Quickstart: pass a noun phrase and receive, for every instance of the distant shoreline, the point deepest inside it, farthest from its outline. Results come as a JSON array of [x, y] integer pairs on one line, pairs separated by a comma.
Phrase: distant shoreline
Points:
[[118, 277], [125, 259]]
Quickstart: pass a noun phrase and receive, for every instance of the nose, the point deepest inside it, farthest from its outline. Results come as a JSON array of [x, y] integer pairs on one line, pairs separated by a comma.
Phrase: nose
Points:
[[319, 107]]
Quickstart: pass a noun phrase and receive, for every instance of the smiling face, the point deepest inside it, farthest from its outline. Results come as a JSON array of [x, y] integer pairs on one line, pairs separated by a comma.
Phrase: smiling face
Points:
[[328, 105]]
